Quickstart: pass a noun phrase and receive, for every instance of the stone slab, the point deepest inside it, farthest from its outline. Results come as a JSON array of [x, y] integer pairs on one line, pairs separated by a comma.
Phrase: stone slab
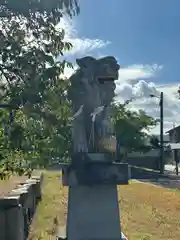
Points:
[[62, 235], [9, 201], [92, 157], [15, 228], [93, 213], [95, 173]]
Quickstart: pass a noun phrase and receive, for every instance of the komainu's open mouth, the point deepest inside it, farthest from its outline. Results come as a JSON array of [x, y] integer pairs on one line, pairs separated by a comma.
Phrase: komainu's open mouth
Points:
[[102, 80]]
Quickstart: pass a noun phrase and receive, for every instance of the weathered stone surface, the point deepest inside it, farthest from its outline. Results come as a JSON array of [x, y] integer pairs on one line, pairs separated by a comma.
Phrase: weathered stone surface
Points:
[[95, 173], [15, 229], [81, 158], [91, 92], [36, 189], [12, 209], [39, 181], [2, 225], [93, 209], [9, 201], [17, 209], [93, 213]]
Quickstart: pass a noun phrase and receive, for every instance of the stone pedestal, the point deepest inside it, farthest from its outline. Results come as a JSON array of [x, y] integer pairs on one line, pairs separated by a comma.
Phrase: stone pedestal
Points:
[[93, 209], [93, 213]]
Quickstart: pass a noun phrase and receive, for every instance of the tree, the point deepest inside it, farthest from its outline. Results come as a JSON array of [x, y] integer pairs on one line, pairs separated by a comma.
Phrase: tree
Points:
[[30, 43], [131, 127], [154, 141]]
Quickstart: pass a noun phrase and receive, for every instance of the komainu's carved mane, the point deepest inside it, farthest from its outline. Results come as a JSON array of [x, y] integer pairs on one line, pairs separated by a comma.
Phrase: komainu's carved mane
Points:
[[91, 92]]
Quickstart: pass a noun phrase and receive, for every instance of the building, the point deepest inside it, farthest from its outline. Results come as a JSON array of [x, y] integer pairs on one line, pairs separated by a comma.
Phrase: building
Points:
[[174, 134], [174, 145]]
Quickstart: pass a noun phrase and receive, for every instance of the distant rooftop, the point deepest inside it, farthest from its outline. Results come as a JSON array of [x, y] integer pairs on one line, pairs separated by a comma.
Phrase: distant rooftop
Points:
[[172, 129]]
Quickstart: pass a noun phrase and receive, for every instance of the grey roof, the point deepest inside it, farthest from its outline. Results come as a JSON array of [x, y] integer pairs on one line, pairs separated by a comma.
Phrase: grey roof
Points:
[[173, 146], [172, 129]]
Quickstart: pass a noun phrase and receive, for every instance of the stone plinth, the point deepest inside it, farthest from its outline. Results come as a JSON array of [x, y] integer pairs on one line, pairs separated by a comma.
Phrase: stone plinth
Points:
[[93, 213], [94, 173], [93, 209], [18, 207]]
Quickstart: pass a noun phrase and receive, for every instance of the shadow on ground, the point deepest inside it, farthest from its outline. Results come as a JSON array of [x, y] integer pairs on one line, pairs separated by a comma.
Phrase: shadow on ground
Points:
[[168, 180]]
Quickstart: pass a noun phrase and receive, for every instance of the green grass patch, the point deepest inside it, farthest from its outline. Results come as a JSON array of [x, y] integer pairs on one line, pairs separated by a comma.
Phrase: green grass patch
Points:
[[147, 212]]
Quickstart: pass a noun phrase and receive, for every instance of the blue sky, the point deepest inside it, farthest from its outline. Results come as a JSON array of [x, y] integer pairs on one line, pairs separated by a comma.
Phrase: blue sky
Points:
[[141, 31], [145, 38]]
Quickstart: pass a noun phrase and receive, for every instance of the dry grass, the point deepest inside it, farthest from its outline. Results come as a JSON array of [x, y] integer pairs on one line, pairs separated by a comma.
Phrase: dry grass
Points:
[[9, 184], [147, 212], [53, 206], [150, 212]]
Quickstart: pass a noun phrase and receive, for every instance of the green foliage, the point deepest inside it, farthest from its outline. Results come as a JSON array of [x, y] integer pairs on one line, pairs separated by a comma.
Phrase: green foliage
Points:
[[154, 141], [30, 43], [131, 127]]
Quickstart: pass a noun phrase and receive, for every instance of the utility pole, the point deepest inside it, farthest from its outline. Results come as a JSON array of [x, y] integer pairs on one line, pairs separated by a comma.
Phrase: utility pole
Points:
[[161, 134], [161, 105]]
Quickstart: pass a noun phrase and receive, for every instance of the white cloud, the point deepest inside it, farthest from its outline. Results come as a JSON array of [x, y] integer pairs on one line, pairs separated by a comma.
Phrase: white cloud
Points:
[[170, 89], [141, 91], [134, 81], [136, 71], [81, 46], [68, 72]]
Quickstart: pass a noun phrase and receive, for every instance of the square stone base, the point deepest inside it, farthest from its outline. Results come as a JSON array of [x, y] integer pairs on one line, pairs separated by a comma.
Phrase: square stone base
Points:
[[94, 173], [61, 234], [93, 213]]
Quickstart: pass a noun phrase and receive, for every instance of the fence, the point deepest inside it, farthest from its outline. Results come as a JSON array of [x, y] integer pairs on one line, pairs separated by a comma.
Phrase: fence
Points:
[[18, 208], [149, 159]]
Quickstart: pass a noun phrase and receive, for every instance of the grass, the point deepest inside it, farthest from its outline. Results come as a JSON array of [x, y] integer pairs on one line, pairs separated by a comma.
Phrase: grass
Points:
[[147, 212], [150, 212], [53, 206], [9, 184]]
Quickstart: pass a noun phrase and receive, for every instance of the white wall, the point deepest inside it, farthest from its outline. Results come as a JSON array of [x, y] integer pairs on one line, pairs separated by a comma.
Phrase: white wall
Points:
[[151, 153]]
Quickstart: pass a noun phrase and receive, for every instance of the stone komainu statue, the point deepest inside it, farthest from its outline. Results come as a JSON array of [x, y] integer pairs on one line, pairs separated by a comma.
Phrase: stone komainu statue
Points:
[[91, 92]]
